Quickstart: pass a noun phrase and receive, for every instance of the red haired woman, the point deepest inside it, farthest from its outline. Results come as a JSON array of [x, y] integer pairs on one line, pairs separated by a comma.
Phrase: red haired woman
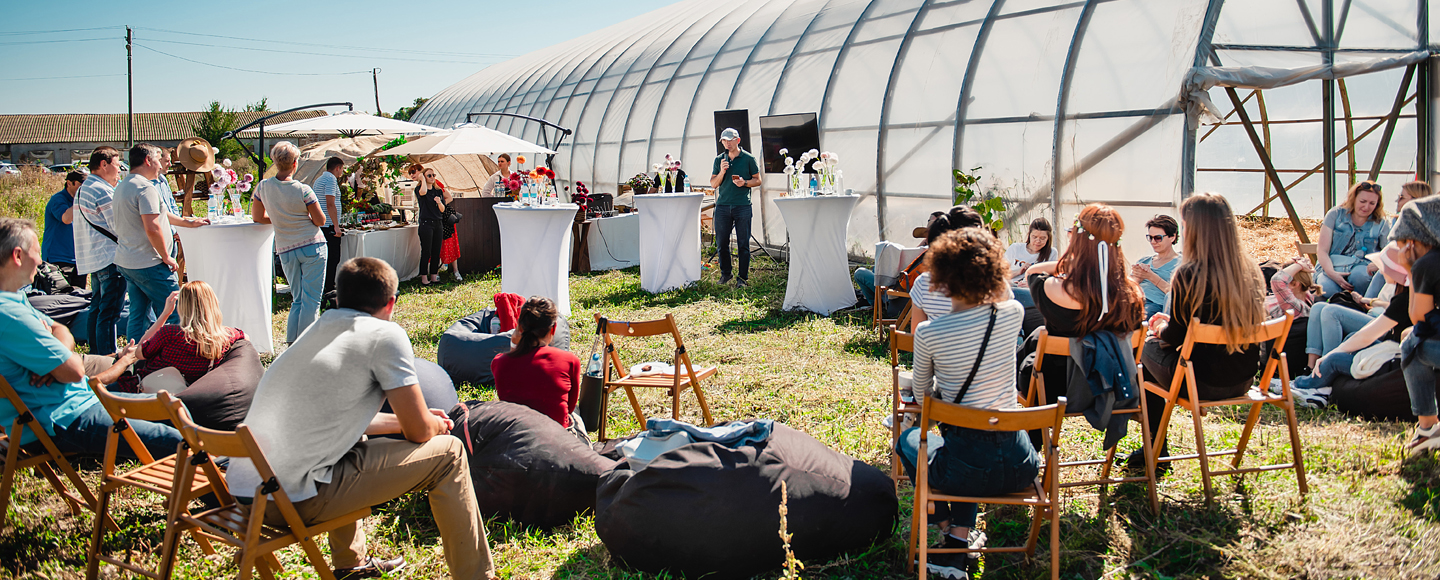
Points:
[[1089, 289]]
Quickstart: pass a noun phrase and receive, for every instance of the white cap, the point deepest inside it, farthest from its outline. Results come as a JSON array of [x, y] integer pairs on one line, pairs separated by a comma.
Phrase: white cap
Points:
[[729, 135]]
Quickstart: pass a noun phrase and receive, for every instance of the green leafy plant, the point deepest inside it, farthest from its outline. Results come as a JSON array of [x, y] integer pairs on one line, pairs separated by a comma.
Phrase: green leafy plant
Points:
[[377, 173], [988, 206], [405, 113], [640, 183]]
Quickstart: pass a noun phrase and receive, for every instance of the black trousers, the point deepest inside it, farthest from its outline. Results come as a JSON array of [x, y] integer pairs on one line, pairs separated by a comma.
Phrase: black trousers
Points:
[[68, 269], [332, 258], [432, 234]]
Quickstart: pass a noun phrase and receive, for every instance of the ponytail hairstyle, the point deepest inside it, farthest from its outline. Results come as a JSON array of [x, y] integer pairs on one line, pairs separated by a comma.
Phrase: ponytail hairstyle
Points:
[[537, 317]]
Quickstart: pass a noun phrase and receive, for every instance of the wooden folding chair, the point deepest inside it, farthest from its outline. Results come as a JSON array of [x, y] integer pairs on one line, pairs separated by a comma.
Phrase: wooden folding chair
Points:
[[1044, 498], [1183, 392], [878, 320], [17, 458], [1057, 346], [158, 476], [1311, 250], [689, 379], [243, 526], [899, 341]]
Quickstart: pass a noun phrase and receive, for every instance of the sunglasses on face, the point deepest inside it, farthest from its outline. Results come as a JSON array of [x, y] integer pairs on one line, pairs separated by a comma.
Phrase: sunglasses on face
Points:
[[1156, 238]]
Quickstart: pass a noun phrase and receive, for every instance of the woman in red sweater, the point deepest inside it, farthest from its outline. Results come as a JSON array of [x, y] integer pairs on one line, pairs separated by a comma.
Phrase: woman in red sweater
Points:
[[189, 349], [536, 374]]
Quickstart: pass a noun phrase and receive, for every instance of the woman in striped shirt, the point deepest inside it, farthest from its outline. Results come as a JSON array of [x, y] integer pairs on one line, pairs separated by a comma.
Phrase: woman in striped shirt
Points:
[[967, 356]]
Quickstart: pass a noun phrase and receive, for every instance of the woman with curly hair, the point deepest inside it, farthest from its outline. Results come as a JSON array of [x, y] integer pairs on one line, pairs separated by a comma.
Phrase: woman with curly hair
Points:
[[967, 356]]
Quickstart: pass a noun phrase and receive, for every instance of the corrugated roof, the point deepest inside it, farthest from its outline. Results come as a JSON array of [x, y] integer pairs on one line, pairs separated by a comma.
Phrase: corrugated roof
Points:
[[103, 128]]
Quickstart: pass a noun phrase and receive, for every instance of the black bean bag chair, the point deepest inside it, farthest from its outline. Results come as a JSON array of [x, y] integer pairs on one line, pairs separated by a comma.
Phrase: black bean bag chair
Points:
[[525, 466], [1294, 348], [708, 510], [1379, 397], [467, 347], [221, 398], [62, 308], [435, 386]]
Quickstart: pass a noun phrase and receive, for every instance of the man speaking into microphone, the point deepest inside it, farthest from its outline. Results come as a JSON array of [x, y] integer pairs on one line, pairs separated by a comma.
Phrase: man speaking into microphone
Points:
[[735, 172]]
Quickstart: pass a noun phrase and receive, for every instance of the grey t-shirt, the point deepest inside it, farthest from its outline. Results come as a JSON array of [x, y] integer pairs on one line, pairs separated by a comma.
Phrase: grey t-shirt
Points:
[[136, 199], [287, 203], [317, 398]]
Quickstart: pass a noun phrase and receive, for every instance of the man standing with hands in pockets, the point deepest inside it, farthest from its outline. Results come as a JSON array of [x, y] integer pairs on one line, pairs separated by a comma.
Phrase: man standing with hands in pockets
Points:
[[734, 173]]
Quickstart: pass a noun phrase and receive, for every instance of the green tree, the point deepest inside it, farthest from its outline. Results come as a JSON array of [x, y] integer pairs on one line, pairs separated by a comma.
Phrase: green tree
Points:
[[214, 122], [263, 105], [405, 113]]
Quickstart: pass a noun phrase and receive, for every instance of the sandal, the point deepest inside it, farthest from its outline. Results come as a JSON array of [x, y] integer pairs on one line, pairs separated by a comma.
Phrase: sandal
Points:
[[1424, 439]]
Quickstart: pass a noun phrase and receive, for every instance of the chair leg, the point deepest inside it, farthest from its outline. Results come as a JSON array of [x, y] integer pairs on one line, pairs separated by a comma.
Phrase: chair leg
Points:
[[274, 562], [247, 563], [1036, 520], [635, 404], [1055, 539], [1204, 456], [59, 487], [317, 559], [1295, 447], [1159, 441], [7, 478], [84, 491], [92, 559], [263, 565], [604, 411], [1250, 423], [1147, 447], [675, 403], [704, 406]]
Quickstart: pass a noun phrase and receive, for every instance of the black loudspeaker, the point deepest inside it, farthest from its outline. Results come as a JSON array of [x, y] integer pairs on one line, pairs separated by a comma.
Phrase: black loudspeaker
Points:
[[796, 133], [737, 119]]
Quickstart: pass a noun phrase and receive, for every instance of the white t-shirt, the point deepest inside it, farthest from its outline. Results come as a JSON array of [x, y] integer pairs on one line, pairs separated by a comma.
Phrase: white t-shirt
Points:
[[1021, 258], [318, 397]]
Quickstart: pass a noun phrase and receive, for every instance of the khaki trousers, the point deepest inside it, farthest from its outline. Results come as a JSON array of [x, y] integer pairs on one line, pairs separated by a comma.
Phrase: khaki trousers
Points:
[[95, 364], [379, 470]]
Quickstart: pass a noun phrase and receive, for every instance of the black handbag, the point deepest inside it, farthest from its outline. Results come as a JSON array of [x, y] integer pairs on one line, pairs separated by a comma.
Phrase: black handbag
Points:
[[452, 217]]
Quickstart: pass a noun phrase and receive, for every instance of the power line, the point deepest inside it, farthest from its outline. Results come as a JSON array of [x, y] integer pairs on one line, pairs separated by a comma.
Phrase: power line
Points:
[[310, 53], [60, 78], [361, 72], [22, 42], [25, 32], [396, 50]]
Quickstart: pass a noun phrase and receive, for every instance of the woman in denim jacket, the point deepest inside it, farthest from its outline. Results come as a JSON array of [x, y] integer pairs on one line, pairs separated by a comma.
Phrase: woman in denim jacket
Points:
[[1350, 231]]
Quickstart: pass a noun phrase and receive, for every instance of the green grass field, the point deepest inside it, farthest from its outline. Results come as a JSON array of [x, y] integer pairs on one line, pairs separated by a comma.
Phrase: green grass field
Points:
[[1370, 513]]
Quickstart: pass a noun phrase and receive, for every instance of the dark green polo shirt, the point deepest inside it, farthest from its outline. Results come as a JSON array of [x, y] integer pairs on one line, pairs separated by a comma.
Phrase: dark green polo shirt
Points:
[[743, 165]]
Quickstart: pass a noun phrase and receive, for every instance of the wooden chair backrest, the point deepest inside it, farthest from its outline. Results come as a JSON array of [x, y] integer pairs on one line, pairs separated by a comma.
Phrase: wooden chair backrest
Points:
[[639, 329], [1312, 250], [14, 399], [900, 341], [122, 410], [1021, 419], [1275, 329]]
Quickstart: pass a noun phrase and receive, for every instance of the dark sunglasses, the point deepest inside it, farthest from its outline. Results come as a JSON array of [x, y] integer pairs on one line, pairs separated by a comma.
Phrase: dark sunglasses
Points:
[[1368, 186], [1156, 238]]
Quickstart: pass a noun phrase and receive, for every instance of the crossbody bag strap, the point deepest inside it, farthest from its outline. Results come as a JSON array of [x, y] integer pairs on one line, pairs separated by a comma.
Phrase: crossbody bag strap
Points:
[[980, 356], [103, 231]]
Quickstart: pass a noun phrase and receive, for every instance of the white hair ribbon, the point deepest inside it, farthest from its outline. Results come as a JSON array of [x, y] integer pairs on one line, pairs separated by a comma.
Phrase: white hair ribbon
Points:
[[1104, 250]]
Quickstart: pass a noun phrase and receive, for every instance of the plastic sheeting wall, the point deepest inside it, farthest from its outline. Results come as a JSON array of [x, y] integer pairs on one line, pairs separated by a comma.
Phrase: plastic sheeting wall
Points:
[[1054, 100]]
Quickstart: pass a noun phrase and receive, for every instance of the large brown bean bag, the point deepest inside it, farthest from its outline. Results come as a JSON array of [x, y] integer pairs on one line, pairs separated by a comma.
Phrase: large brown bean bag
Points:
[[525, 466], [221, 398], [705, 509]]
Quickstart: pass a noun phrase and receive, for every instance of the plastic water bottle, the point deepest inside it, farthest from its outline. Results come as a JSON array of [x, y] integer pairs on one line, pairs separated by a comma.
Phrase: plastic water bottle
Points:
[[687, 184], [814, 185], [211, 210], [593, 369]]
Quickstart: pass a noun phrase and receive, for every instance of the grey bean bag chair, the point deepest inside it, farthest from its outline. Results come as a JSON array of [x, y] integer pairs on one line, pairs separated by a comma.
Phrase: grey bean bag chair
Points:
[[435, 386], [525, 466], [836, 505], [221, 398], [466, 349]]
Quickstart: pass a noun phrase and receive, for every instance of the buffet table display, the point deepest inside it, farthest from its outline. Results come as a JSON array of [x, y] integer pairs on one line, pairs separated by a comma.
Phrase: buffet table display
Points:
[[613, 242], [819, 269], [669, 240], [236, 261], [535, 250], [397, 245]]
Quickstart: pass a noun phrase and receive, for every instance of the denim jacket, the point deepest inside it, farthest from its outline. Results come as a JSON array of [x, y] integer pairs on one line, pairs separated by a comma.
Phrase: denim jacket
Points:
[[1349, 243]]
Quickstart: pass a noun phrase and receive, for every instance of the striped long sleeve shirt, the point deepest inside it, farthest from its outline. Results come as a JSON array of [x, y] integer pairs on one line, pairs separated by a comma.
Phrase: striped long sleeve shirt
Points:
[[945, 350]]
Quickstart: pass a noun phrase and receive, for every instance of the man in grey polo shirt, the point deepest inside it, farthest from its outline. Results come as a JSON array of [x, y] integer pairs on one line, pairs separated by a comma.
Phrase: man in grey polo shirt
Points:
[[145, 241]]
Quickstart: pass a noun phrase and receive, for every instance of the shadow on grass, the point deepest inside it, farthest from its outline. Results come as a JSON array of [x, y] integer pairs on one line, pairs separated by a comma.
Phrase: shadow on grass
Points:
[[1423, 474]]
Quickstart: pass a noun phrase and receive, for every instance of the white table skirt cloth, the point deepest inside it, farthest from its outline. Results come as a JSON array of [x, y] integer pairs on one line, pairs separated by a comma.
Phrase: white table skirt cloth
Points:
[[614, 242], [237, 262], [669, 240], [535, 251], [399, 247], [819, 269]]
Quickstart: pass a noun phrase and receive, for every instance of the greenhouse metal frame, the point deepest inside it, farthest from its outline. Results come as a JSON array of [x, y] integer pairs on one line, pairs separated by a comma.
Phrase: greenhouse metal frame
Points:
[[1058, 103]]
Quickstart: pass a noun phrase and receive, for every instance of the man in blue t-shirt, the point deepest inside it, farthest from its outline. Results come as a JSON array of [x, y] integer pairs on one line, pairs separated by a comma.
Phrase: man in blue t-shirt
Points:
[[735, 172], [59, 245], [38, 362]]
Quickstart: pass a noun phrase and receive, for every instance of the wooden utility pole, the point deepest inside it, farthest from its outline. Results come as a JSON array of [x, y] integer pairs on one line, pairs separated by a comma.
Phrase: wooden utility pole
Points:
[[375, 76], [130, 86]]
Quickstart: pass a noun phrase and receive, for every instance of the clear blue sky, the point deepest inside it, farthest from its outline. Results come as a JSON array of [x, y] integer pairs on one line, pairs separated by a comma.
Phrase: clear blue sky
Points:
[[423, 47]]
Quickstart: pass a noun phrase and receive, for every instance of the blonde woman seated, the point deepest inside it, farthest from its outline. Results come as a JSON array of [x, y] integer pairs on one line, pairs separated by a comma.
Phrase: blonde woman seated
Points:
[[174, 356], [967, 356]]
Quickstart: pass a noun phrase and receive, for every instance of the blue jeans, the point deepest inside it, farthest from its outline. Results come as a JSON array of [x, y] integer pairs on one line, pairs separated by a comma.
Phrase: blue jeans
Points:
[[1331, 365], [149, 287], [1376, 285], [735, 218], [87, 433], [974, 463], [305, 271], [1153, 308], [1022, 295], [1357, 275], [1420, 373], [1330, 324], [865, 279], [105, 304]]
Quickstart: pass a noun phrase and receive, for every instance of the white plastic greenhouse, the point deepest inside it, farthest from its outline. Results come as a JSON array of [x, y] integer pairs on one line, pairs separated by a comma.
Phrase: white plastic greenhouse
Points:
[[1057, 103]]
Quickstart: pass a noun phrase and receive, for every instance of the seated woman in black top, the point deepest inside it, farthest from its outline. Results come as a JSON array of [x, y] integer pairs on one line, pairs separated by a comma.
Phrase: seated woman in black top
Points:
[[1219, 284], [1068, 292]]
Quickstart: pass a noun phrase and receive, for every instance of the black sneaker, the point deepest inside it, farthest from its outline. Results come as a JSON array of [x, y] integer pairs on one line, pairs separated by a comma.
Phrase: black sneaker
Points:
[[374, 568], [950, 565], [741, 283], [1135, 462], [724, 278]]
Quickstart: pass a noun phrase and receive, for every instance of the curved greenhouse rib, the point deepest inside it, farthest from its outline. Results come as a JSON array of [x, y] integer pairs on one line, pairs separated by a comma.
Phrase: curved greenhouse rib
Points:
[[750, 58], [883, 131], [968, 84], [840, 61], [1187, 137], [1062, 102], [700, 86], [665, 95], [794, 50]]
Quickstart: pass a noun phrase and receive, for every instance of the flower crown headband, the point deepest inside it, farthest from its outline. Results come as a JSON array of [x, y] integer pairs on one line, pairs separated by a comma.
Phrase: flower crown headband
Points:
[[1103, 249]]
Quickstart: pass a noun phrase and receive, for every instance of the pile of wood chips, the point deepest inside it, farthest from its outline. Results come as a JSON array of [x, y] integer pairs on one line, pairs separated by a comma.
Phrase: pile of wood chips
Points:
[[1273, 238]]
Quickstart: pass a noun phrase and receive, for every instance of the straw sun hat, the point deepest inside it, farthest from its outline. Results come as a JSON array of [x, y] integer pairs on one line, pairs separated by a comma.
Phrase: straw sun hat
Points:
[[195, 154]]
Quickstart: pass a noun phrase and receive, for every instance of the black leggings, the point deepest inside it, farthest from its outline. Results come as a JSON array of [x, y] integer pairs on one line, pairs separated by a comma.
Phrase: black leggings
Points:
[[431, 235]]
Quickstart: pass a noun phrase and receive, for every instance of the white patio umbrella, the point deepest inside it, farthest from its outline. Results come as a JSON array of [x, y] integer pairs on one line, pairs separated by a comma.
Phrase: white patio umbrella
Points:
[[468, 139], [348, 123]]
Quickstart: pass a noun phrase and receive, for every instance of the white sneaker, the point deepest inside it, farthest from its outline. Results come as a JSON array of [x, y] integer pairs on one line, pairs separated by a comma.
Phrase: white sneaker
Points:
[[1424, 439], [457, 276], [888, 421]]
